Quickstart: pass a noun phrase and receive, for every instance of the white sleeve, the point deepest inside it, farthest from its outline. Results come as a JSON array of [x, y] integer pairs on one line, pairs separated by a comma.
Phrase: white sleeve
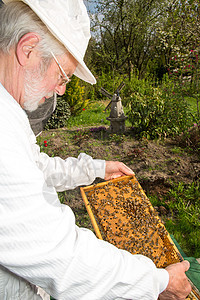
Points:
[[40, 242], [71, 172]]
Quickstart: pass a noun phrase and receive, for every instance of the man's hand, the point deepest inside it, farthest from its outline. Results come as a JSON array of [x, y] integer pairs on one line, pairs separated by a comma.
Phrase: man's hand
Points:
[[178, 287], [116, 169]]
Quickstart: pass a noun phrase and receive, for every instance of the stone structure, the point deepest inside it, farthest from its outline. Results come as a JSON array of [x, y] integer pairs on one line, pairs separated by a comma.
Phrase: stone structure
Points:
[[117, 117]]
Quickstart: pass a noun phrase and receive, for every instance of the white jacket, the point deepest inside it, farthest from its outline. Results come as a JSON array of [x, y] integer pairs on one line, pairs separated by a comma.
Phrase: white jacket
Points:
[[39, 240]]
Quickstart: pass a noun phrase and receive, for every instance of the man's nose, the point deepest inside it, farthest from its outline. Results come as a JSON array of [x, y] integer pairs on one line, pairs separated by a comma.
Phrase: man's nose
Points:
[[60, 89]]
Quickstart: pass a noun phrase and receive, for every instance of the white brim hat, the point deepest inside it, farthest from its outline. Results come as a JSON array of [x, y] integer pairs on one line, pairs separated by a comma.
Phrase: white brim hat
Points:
[[68, 21]]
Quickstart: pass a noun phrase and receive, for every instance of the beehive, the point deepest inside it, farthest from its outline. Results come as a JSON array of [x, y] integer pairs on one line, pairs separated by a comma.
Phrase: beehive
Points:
[[122, 214]]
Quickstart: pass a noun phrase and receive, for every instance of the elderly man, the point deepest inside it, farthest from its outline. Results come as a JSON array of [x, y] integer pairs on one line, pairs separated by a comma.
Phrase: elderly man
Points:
[[42, 43]]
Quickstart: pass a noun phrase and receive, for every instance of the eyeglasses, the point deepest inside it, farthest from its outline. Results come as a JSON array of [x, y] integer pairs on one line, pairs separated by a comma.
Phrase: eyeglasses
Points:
[[64, 78]]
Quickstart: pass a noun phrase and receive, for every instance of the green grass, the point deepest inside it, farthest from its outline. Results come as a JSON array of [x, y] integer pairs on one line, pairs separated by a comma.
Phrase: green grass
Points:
[[192, 104], [183, 218], [92, 115]]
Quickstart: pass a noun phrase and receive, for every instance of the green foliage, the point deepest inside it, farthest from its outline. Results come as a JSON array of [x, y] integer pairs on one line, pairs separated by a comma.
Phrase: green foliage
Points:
[[74, 96], [109, 81], [60, 116], [184, 70], [141, 35], [135, 85], [176, 117], [157, 111], [144, 112], [70, 104], [89, 91], [127, 33], [191, 139], [182, 203]]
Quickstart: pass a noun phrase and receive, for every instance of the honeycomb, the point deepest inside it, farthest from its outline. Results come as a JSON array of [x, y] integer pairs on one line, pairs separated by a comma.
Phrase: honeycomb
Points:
[[122, 214]]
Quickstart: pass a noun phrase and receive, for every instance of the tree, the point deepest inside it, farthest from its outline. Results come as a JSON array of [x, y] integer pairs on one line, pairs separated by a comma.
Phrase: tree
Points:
[[127, 31], [179, 45], [179, 30]]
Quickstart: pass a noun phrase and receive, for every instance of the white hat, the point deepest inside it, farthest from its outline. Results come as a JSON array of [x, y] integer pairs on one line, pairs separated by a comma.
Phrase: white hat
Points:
[[68, 21]]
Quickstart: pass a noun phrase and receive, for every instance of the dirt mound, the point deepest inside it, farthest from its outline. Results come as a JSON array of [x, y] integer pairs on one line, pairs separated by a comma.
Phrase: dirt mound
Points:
[[156, 164]]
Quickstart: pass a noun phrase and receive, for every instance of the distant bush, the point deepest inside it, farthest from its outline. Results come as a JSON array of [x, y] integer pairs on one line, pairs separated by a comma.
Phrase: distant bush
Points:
[[184, 71], [60, 116], [75, 97], [157, 111], [71, 103], [133, 86], [109, 82]]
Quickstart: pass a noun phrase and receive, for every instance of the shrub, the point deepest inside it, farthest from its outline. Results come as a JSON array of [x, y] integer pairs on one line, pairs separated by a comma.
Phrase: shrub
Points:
[[60, 116], [184, 70], [74, 96], [158, 112], [145, 109], [109, 82], [133, 86]]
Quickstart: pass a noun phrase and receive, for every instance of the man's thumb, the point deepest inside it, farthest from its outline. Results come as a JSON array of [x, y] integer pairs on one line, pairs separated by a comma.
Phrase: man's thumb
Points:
[[186, 265]]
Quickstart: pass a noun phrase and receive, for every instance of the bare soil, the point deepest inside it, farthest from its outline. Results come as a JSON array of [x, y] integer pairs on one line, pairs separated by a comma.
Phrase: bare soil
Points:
[[157, 164]]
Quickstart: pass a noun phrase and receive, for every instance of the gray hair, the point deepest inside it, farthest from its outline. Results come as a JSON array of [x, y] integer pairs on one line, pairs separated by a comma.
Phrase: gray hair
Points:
[[16, 20]]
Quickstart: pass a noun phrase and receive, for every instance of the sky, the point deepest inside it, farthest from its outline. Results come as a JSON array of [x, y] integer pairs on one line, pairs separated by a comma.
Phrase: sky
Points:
[[90, 5]]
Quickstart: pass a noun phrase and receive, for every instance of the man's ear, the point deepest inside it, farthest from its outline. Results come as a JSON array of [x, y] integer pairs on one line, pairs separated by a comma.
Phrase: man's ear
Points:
[[26, 47]]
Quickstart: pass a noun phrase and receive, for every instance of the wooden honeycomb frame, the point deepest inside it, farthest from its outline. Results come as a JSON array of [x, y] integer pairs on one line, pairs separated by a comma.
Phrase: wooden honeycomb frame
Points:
[[122, 214]]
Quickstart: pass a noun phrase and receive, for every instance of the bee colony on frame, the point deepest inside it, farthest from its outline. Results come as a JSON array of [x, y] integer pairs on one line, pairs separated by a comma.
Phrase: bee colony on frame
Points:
[[122, 214]]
